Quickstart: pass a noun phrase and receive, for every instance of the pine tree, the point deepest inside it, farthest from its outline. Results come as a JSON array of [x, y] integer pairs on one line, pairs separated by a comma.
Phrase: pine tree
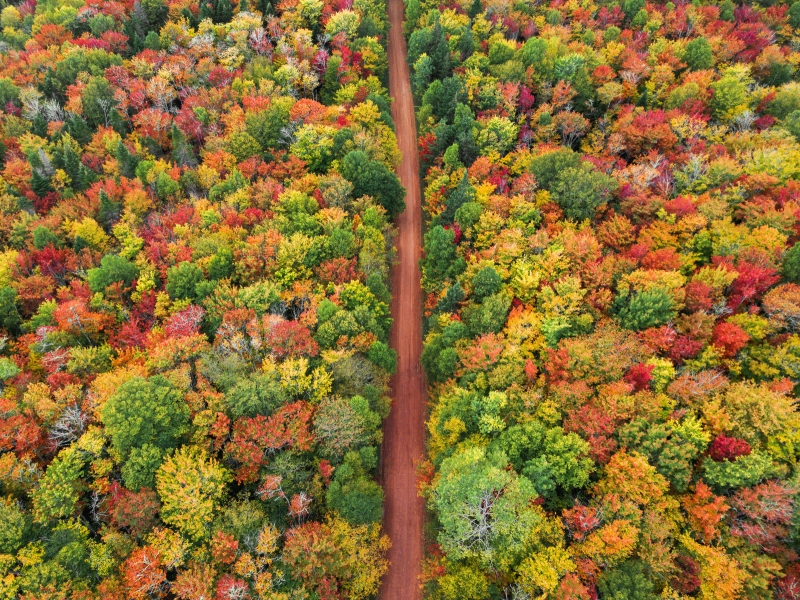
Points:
[[78, 128], [41, 172], [190, 18], [40, 125], [109, 210], [475, 9], [463, 193], [440, 52], [220, 11], [206, 11], [182, 152], [127, 161], [73, 167]]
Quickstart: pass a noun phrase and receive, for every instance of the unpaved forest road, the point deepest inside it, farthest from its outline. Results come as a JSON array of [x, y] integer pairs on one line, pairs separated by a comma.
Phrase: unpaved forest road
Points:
[[404, 429]]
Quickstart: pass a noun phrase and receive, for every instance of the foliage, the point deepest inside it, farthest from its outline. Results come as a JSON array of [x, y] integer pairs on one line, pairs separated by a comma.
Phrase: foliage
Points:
[[612, 308], [145, 411], [191, 487], [195, 242]]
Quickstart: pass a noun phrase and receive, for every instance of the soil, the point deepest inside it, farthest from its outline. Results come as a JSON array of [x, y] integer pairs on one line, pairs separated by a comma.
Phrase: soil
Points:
[[404, 428]]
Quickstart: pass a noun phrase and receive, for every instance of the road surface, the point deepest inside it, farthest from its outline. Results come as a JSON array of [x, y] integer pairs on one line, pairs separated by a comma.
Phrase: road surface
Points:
[[404, 429]]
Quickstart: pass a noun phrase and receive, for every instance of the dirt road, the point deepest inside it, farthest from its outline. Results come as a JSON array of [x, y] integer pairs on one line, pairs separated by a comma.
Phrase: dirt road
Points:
[[404, 429]]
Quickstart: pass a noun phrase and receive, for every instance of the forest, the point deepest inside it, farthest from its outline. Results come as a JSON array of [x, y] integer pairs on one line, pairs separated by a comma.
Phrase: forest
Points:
[[612, 297], [196, 235], [195, 239]]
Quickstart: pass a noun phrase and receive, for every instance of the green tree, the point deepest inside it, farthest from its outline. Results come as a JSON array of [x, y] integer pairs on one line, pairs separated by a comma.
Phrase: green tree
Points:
[[498, 134], [579, 191], [548, 167], [157, 12], [10, 319], [730, 96], [440, 52], [8, 369], [463, 133], [672, 454], [443, 96], [98, 102], [485, 283], [626, 582], [266, 126], [373, 178], [486, 511], [383, 356], [452, 298], [330, 80], [182, 151], [182, 281], [221, 264], [60, 488], [489, 316], [533, 51], [791, 260], [440, 254], [421, 75], [258, 394], [127, 161], [357, 498], [649, 308], [439, 357], [14, 526], [42, 237], [794, 15], [631, 7], [314, 145], [8, 92], [463, 582], [113, 269], [243, 145], [139, 471], [745, 471], [698, 55], [727, 7], [463, 193], [145, 411], [549, 457], [152, 41], [412, 15]]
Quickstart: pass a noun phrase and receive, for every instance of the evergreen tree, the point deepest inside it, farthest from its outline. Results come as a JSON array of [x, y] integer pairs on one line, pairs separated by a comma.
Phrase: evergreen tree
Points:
[[475, 9], [182, 151], [463, 193], [10, 319], [223, 11], [109, 210], [451, 300], [78, 128], [127, 161], [41, 172], [440, 52], [794, 15], [39, 125]]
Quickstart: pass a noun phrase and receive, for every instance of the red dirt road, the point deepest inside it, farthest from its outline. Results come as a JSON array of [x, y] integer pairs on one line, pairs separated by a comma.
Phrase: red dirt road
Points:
[[404, 429]]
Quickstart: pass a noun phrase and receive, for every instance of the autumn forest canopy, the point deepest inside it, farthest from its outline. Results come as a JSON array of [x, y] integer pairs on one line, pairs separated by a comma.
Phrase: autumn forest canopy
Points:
[[196, 207], [195, 243], [612, 281]]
